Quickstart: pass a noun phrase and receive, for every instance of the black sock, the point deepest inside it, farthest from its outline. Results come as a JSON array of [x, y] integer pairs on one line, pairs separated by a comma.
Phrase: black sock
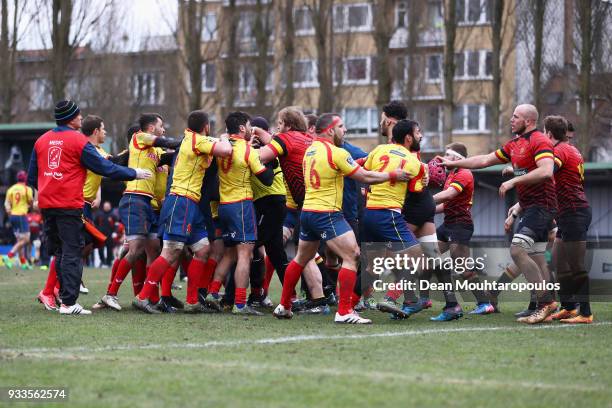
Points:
[[533, 303], [582, 287], [506, 277], [566, 290]]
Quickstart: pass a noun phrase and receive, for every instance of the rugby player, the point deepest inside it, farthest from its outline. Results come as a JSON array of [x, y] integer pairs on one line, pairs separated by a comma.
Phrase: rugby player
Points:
[[19, 199], [325, 165], [531, 155], [455, 201], [181, 217]]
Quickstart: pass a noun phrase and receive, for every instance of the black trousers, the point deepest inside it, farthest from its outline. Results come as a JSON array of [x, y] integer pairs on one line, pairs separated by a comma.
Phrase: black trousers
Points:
[[271, 211], [64, 230]]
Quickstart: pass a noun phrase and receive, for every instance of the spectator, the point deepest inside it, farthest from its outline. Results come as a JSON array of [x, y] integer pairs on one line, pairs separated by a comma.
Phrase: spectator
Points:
[[105, 220]]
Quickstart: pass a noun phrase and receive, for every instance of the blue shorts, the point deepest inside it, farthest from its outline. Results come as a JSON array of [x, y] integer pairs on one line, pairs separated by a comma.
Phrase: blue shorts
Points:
[[291, 219], [87, 212], [238, 223], [322, 226], [387, 226], [182, 220], [20, 224], [136, 214]]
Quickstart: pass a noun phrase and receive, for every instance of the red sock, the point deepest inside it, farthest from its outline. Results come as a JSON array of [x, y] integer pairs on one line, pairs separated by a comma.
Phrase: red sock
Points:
[[154, 275], [214, 287], [292, 275], [269, 274], [194, 277], [167, 280], [113, 273], [22, 259], [10, 254], [139, 275], [346, 283], [51, 279], [122, 271], [207, 274], [240, 297], [393, 294]]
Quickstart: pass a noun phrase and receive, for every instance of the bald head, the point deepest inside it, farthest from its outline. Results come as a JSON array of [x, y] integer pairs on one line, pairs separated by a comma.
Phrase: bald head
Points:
[[524, 119]]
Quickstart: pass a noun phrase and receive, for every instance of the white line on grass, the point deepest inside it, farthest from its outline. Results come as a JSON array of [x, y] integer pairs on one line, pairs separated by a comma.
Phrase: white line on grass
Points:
[[281, 340], [417, 379]]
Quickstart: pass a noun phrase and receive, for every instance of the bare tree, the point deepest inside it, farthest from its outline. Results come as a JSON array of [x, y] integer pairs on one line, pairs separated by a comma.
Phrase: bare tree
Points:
[[288, 94], [8, 55], [321, 12], [450, 27], [538, 24], [191, 19], [262, 31], [230, 73], [383, 31]]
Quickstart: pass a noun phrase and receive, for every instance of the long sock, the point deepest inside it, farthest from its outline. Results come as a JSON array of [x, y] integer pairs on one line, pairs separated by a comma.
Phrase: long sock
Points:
[[566, 290], [533, 301], [444, 276], [22, 259], [478, 294], [240, 297], [505, 277], [426, 276], [154, 275], [167, 280], [582, 286], [393, 294], [113, 273], [292, 275], [214, 288], [268, 275], [346, 283], [122, 270], [51, 279], [194, 276], [139, 274], [207, 273]]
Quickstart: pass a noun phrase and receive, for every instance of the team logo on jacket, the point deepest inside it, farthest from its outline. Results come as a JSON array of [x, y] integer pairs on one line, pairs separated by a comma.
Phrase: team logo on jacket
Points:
[[55, 154]]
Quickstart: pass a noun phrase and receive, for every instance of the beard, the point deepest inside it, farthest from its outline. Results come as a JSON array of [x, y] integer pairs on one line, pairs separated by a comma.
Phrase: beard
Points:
[[520, 130], [415, 146]]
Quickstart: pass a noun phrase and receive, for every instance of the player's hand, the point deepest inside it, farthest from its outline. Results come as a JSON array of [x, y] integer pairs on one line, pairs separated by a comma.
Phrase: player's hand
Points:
[[449, 164], [508, 223], [399, 175], [425, 179], [143, 174], [95, 203], [508, 171], [505, 187]]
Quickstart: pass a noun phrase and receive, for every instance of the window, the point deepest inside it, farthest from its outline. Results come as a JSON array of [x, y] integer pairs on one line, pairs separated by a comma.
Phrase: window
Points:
[[147, 88], [40, 94], [208, 77], [434, 11], [209, 27], [434, 65], [352, 17], [473, 65], [361, 121], [305, 73], [433, 120], [473, 11], [401, 14], [471, 118], [357, 69], [303, 21], [81, 89]]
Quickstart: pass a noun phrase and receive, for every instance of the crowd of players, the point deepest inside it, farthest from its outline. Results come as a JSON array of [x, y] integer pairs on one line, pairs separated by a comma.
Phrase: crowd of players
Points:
[[225, 207]]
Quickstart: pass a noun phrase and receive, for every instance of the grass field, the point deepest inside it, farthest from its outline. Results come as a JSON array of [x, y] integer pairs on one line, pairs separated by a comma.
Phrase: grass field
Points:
[[129, 359]]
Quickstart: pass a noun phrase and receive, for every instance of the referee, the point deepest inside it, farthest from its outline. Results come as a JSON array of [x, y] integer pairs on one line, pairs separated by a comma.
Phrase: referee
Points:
[[58, 166]]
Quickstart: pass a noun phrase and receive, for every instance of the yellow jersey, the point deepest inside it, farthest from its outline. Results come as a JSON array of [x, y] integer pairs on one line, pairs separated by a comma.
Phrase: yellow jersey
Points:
[[390, 194], [260, 190], [291, 204], [144, 156], [161, 180], [235, 172], [93, 180], [19, 197], [214, 209], [194, 157], [325, 166]]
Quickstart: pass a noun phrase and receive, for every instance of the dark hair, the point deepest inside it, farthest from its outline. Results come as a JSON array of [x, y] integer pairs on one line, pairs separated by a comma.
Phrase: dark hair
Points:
[[557, 125], [147, 119], [324, 121], [570, 127], [197, 121], [402, 128], [294, 118], [91, 123], [311, 118], [236, 119], [459, 148], [134, 127], [396, 110]]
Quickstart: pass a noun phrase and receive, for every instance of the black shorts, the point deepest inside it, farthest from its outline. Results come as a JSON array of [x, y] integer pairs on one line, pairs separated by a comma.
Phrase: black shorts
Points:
[[456, 233], [535, 223], [270, 211], [419, 208], [573, 225]]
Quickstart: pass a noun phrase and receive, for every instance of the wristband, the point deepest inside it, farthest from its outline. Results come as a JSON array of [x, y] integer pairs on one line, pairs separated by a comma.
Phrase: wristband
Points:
[[393, 176]]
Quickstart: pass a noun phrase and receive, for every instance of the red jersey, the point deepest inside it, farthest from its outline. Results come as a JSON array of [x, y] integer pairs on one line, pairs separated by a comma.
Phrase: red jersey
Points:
[[458, 210], [61, 175], [569, 178], [290, 148], [35, 221], [524, 152]]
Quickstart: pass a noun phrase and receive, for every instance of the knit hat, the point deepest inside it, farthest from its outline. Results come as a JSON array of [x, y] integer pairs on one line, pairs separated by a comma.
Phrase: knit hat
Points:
[[260, 122], [66, 110]]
